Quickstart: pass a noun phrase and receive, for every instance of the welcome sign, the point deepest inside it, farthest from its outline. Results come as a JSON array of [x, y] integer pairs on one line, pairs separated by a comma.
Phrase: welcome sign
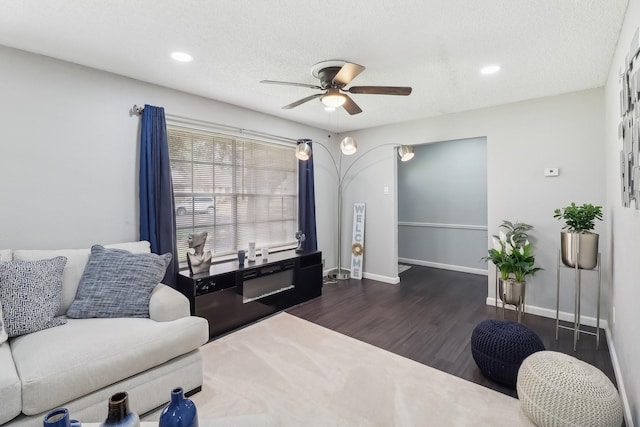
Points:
[[357, 241]]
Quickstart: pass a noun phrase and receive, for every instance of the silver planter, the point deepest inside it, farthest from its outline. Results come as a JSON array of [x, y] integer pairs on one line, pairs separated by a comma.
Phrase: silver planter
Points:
[[580, 247], [511, 292]]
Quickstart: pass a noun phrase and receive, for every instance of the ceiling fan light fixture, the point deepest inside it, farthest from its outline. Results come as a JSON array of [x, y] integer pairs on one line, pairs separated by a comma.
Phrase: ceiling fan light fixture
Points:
[[348, 146], [303, 150], [405, 153], [490, 69], [181, 57], [333, 98]]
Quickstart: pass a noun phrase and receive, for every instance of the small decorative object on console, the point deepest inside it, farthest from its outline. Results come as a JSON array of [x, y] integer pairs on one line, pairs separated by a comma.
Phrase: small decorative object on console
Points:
[[180, 412], [199, 261], [252, 252], [301, 238], [119, 414], [59, 418]]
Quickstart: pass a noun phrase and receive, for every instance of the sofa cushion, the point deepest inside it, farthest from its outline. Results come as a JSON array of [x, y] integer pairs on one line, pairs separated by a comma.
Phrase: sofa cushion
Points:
[[76, 261], [87, 354], [10, 388], [3, 331], [167, 304], [6, 254], [117, 283], [30, 293]]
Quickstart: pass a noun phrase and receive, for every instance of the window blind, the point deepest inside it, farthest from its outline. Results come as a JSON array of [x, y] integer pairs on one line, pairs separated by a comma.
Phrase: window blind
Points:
[[239, 190]]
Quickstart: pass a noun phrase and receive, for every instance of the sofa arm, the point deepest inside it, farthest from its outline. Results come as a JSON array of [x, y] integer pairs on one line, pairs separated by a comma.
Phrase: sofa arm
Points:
[[167, 304]]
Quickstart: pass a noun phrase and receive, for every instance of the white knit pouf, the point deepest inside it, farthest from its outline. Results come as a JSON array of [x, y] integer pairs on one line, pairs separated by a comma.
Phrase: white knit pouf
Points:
[[559, 390]]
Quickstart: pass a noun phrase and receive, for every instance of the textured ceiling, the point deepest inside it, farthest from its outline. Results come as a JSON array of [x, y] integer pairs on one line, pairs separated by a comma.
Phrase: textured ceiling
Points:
[[436, 46]]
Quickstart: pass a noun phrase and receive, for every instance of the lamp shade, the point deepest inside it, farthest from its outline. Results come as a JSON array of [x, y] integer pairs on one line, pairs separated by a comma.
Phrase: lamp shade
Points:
[[333, 98], [303, 151], [348, 146], [405, 153]]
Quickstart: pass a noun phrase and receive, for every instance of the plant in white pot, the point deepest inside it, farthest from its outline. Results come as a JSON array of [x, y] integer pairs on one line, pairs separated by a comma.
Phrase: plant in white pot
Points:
[[579, 244], [512, 254]]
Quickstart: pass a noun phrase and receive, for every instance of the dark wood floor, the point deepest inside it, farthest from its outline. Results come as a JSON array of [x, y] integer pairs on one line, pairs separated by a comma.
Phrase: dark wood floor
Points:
[[429, 318]]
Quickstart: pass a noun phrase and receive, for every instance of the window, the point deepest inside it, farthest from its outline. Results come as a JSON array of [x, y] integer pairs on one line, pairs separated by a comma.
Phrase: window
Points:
[[238, 190]]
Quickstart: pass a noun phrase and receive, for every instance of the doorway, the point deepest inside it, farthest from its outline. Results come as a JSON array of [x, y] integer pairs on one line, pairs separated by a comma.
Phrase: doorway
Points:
[[442, 206]]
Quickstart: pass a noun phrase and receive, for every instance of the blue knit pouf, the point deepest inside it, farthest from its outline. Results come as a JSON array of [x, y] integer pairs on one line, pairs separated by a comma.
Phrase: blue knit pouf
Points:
[[500, 346]]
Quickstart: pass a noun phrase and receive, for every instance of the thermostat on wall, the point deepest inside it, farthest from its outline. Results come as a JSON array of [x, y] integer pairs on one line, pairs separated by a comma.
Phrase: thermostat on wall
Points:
[[551, 171]]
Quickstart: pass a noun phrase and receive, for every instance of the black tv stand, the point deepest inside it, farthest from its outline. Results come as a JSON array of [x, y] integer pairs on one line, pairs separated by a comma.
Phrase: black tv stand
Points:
[[230, 296]]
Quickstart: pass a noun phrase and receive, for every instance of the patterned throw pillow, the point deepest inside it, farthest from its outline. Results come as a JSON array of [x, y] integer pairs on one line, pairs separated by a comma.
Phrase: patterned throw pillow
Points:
[[3, 331], [117, 283], [30, 292]]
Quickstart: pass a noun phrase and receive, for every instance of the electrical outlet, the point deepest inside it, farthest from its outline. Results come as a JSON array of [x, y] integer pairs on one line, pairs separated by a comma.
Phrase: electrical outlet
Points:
[[551, 171]]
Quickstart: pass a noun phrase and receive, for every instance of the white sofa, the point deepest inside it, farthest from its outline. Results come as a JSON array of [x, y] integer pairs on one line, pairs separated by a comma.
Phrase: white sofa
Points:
[[80, 364]]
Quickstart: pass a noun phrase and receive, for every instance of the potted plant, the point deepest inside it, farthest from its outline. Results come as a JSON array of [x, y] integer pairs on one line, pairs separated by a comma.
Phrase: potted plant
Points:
[[512, 254], [578, 244]]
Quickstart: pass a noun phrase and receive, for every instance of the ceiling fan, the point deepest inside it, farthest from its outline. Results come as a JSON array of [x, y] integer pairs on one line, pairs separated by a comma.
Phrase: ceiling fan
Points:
[[334, 76]]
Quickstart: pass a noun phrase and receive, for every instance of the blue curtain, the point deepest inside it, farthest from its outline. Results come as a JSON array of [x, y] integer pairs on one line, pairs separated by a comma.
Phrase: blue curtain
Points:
[[307, 202], [157, 214]]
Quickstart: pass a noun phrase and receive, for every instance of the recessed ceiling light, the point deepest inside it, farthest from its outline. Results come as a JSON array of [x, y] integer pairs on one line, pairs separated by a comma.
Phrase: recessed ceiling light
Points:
[[490, 69], [182, 57]]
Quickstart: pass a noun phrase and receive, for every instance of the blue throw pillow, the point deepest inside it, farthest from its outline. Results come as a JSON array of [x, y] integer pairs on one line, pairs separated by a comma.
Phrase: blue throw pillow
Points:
[[117, 283], [30, 292]]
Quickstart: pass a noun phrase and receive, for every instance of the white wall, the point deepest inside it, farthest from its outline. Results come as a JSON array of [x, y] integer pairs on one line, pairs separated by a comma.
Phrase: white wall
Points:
[[522, 139], [624, 232], [69, 151]]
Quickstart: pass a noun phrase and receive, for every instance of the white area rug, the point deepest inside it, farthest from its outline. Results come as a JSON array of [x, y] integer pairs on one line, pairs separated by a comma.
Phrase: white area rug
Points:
[[403, 267], [301, 374]]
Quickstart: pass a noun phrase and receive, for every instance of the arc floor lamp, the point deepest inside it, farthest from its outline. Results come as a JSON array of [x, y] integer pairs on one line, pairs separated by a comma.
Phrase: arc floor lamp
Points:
[[348, 146]]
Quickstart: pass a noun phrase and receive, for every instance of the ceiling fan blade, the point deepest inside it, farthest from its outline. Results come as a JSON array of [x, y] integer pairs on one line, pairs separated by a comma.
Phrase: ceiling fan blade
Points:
[[351, 107], [302, 101], [380, 90], [275, 82], [347, 73]]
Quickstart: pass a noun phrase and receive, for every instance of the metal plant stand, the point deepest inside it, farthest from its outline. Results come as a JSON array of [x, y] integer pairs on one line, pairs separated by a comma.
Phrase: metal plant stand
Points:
[[577, 330], [520, 308]]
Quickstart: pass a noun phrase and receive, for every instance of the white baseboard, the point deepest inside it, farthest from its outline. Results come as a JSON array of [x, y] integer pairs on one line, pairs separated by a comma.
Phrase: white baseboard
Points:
[[616, 370], [378, 277], [395, 280], [546, 312], [444, 266]]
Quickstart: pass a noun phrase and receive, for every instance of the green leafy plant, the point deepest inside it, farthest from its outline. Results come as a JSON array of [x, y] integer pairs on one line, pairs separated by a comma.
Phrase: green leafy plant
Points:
[[517, 231], [579, 219], [512, 253], [521, 262]]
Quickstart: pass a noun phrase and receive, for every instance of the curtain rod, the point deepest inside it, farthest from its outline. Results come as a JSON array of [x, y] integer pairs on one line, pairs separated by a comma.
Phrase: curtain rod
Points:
[[219, 126]]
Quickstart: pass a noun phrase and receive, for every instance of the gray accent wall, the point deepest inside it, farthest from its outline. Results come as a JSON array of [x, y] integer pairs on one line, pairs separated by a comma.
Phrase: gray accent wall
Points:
[[442, 205]]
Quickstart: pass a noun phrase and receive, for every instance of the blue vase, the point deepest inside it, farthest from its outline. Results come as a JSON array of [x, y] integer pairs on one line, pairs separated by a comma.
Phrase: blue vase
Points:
[[60, 418], [119, 414], [180, 412]]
